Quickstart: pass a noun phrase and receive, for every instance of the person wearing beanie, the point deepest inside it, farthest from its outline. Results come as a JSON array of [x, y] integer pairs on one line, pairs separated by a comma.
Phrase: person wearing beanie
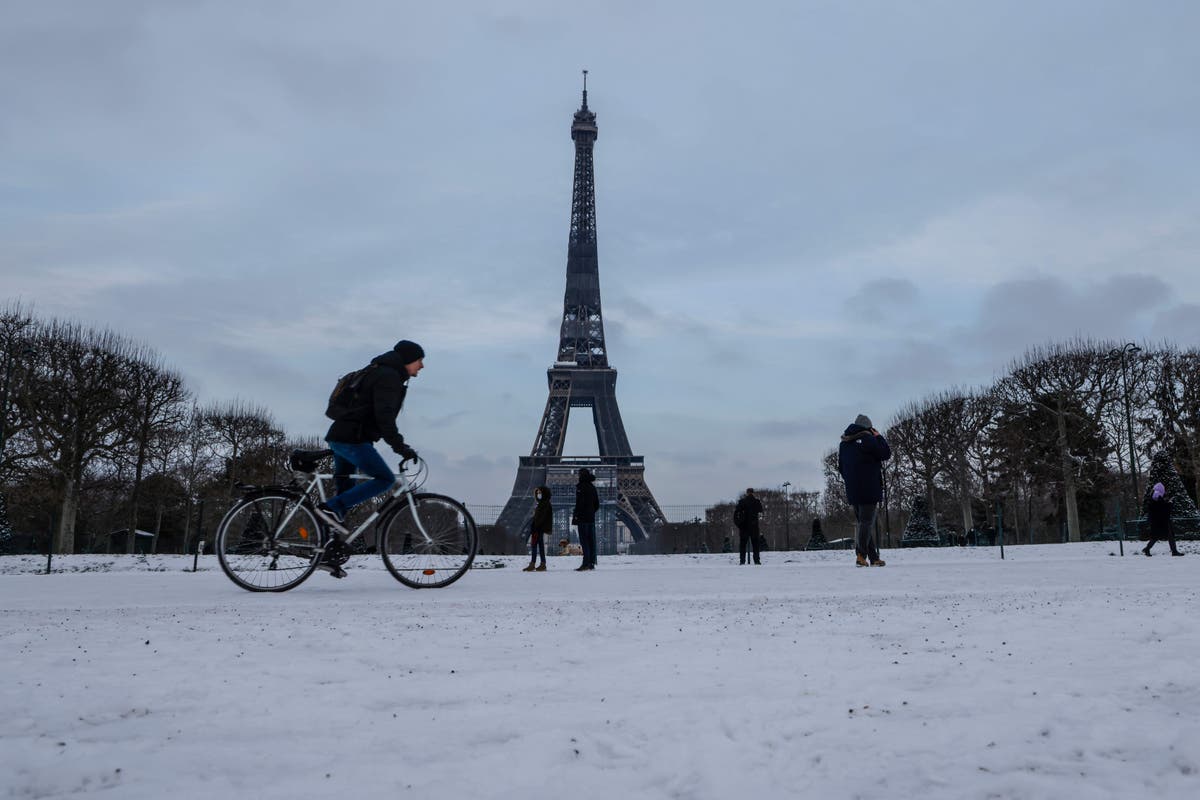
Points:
[[540, 528], [745, 517], [583, 517], [364, 406], [1158, 511], [861, 454]]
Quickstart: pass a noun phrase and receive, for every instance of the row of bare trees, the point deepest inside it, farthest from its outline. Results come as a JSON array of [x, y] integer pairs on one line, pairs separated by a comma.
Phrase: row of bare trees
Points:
[[786, 524], [1053, 441], [100, 436]]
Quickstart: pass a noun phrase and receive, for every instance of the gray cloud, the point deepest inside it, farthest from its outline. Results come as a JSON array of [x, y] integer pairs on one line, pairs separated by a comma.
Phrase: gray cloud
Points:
[[270, 199]]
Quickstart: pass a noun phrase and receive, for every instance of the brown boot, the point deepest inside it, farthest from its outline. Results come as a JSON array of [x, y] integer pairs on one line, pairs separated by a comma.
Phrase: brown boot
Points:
[[528, 569], [861, 561], [542, 568], [879, 562]]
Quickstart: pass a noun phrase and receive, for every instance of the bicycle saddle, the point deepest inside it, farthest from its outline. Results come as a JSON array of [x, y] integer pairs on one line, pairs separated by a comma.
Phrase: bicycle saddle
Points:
[[306, 460]]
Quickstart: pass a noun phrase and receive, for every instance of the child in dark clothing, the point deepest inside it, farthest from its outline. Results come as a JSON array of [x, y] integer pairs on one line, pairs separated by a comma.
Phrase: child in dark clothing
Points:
[[542, 526]]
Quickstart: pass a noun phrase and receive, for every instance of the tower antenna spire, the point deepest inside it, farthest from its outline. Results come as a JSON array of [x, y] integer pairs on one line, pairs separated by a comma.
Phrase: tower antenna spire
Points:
[[585, 72]]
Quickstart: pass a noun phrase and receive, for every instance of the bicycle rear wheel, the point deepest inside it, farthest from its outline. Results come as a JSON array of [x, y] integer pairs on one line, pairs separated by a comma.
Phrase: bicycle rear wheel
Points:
[[428, 541], [269, 542]]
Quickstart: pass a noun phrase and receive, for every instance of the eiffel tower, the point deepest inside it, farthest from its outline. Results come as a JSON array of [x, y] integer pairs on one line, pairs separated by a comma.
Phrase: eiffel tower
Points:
[[582, 378]]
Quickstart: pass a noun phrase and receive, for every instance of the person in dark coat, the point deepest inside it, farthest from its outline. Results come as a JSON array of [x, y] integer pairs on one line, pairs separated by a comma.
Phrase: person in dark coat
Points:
[[1158, 511], [816, 539], [541, 527], [587, 503], [860, 461], [356, 427], [745, 517]]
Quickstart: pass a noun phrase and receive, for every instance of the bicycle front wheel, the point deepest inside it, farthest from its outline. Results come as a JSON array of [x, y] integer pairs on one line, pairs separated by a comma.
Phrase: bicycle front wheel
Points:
[[269, 542], [428, 541]]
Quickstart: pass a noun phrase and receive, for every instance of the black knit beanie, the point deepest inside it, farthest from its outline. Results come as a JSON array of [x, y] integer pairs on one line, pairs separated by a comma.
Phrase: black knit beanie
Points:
[[408, 351]]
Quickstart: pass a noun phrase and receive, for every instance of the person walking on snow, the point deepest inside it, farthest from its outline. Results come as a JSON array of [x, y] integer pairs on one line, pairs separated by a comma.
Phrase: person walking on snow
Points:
[[745, 517], [1158, 510], [540, 528], [587, 503], [860, 461]]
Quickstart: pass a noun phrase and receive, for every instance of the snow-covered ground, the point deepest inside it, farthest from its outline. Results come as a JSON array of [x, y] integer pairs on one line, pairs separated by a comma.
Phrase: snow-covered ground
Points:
[[1062, 672]]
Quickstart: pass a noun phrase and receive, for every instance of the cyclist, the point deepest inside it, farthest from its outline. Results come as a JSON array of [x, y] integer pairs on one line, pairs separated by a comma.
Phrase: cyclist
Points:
[[362, 415]]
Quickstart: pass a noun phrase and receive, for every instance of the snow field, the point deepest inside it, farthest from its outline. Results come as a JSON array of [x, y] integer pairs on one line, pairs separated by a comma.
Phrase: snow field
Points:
[[1060, 672]]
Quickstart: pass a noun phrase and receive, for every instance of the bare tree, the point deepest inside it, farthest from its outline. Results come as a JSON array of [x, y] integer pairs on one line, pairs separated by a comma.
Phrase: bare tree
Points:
[[17, 353], [1071, 383], [75, 406], [1175, 396], [240, 429], [918, 448], [193, 461], [834, 504], [957, 420], [156, 398]]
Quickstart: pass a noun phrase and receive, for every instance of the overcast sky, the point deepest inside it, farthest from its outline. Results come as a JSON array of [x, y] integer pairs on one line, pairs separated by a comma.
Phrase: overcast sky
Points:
[[806, 210]]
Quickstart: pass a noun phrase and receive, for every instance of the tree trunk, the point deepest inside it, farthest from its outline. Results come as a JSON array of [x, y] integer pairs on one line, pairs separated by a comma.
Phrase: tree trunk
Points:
[[1195, 470], [1069, 489], [1016, 537], [157, 528], [143, 437], [187, 525], [64, 535]]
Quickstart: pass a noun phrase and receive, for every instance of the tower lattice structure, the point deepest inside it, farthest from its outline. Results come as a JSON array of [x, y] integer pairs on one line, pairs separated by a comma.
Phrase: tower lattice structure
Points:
[[582, 378]]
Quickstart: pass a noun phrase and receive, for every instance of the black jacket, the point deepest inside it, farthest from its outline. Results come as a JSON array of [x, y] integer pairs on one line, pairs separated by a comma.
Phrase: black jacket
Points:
[[384, 387], [860, 459], [587, 500], [745, 513], [1159, 513], [543, 513]]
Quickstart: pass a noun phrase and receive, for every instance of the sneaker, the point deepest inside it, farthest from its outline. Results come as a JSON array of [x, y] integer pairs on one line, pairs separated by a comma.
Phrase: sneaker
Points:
[[334, 519], [861, 561], [879, 562], [542, 568], [332, 569]]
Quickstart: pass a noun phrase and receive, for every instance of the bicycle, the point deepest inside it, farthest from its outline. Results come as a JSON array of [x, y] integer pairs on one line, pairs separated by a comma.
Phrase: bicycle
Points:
[[272, 539]]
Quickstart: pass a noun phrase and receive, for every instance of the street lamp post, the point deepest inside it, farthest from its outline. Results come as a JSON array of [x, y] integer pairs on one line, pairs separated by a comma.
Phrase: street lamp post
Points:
[[1129, 348], [787, 515]]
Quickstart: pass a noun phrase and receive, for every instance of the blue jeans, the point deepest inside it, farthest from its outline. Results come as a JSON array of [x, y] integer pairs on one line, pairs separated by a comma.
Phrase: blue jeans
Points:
[[537, 546], [864, 535], [364, 457], [587, 541]]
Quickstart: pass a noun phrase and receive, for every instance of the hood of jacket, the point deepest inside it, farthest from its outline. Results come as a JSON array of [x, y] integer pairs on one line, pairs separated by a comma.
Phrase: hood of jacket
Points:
[[545, 492], [586, 476], [854, 432]]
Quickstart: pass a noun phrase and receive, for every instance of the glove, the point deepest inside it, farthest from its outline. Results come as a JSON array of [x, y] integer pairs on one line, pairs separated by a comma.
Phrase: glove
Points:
[[405, 452]]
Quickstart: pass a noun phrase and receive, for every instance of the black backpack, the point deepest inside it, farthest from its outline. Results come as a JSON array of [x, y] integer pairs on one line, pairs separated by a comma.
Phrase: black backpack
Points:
[[347, 396]]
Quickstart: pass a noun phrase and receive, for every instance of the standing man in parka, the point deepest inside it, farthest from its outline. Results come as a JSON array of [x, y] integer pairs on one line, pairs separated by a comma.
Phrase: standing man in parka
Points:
[[860, 461], [587, 503], [745, 517]]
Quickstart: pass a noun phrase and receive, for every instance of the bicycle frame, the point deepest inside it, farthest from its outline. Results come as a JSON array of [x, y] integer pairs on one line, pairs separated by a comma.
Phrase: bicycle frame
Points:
[[401, 488]]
